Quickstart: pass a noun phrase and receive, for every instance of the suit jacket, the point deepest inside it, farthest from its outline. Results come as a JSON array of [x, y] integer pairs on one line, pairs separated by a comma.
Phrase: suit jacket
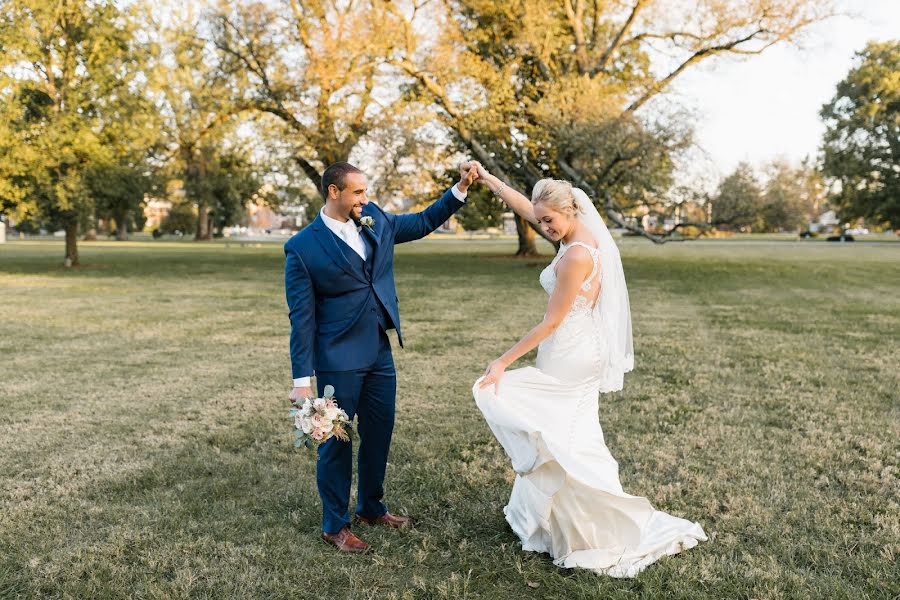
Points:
[[334, 302]]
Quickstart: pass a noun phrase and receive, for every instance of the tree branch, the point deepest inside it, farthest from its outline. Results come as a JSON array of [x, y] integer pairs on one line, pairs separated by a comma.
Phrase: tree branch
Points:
[[617, 41], [614, 212], [696, 57], [576, 21]]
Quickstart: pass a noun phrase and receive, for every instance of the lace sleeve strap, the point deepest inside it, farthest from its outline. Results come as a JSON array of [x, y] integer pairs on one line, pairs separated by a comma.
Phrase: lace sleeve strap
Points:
[[595, 257]]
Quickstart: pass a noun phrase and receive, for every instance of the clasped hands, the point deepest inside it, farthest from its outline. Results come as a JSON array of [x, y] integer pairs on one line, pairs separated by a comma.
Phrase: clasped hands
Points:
[[469, 172]]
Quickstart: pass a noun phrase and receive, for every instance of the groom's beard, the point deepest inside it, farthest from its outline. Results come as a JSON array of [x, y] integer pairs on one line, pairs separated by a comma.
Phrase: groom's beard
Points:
[[355, 215]]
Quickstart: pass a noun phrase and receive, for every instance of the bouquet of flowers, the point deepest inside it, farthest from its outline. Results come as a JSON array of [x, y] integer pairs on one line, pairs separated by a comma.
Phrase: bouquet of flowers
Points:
[[318, 419]]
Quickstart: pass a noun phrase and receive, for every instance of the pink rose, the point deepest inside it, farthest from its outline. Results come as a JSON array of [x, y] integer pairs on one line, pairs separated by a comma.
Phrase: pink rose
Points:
[[317, 434]]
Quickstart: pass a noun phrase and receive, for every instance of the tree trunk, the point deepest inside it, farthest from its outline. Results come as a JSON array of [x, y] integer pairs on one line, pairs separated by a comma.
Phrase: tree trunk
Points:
[[527, 246], [202, 222], [121, 227], [311, 172], [72, 244]]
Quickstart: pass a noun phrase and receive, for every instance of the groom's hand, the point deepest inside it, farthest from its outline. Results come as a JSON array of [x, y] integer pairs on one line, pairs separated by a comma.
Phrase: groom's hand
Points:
[[468, 173], [300, 394]]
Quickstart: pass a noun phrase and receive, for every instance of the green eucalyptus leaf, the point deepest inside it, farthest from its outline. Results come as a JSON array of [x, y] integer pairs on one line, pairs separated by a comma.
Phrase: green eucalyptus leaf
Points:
[[309, 444], [329, 391], [298, 443]]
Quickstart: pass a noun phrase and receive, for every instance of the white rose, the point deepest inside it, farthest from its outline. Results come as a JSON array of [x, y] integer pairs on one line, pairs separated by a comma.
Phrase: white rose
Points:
[[306, 426]]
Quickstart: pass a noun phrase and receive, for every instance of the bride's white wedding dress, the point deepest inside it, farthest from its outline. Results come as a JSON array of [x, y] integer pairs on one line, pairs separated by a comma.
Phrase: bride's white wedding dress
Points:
[[567, 499]]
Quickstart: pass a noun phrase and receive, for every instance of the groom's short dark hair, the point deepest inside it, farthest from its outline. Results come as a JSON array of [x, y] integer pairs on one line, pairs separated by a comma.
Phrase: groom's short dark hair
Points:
[[335, 175]]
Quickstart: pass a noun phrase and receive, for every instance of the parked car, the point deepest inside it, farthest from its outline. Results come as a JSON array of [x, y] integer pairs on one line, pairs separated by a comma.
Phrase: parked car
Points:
[[843, 237]]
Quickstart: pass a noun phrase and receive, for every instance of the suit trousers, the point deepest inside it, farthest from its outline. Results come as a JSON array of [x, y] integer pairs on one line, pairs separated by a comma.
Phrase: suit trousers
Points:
[[369, 395]]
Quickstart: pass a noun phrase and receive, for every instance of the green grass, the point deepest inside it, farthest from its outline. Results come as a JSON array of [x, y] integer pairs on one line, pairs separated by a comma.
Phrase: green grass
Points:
[[145, 449]]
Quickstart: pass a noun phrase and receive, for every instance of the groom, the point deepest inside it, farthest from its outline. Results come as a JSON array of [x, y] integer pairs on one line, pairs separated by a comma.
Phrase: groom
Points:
[[339, 280]]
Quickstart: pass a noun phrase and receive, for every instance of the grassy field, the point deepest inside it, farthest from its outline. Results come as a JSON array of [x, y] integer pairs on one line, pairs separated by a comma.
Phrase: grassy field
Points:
[[145, 449]]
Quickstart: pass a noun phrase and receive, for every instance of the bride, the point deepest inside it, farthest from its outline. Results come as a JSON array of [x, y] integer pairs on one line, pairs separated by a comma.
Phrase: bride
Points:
[[567, 499]]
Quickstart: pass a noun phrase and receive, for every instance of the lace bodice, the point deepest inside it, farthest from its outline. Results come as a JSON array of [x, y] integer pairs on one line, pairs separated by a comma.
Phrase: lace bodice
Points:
[[575, 349], [590, 289]]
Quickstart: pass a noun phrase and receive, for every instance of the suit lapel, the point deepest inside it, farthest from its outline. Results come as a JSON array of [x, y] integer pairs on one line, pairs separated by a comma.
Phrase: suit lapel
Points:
[[372, 245], [373, 237], [329, 243]]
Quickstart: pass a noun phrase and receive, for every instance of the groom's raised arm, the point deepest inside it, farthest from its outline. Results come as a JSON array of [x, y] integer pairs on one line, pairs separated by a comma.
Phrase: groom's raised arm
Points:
[[417, 225], [301, 302]]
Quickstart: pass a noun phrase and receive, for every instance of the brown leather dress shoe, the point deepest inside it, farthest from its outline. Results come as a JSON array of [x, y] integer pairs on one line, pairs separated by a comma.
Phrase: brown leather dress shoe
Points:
[[345, 541], [389, 520]]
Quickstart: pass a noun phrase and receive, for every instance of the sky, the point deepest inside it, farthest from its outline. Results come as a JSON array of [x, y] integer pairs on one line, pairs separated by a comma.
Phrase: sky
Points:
[[758, 108]]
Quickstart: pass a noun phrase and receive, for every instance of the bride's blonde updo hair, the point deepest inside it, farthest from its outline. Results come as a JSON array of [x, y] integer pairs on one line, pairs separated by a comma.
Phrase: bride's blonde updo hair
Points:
[[557, 194]]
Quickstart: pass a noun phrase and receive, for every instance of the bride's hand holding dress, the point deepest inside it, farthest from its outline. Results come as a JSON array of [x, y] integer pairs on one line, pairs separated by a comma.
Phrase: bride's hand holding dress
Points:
[[571, 272]]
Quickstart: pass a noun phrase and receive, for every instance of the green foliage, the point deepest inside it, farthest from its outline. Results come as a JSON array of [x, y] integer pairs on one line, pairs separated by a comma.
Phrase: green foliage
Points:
[[737, 203], [312, 205], [546, 117], [118, 191], [80, 59], [199, 119], [481, 210], [861, 148], [792, 197], [224, 179], [133, 140], [182, 219]]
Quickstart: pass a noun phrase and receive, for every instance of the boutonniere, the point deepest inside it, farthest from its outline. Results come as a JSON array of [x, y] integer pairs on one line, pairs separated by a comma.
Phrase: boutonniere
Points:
[[367, 222]]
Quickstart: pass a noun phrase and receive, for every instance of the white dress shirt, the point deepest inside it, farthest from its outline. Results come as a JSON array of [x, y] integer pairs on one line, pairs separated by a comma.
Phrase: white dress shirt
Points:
[[348, 232]]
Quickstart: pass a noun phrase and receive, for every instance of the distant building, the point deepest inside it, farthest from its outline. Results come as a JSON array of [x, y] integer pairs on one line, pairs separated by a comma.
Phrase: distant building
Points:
[[262, 217], [826, 221]]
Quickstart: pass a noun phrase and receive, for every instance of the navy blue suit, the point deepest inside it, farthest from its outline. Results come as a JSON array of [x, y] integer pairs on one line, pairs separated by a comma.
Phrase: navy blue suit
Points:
[[340, 308]]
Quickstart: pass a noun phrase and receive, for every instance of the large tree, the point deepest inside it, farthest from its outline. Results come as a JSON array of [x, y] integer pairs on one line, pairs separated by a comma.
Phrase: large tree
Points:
[[791, 197], [197, 103], [130, 169], [861, 147], [58, 60], [231, 178], [561, 89], [317, 66], [738, 203]]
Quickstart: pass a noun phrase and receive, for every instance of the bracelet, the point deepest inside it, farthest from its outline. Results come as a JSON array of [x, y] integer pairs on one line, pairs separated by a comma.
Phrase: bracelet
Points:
[[500, 190]]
